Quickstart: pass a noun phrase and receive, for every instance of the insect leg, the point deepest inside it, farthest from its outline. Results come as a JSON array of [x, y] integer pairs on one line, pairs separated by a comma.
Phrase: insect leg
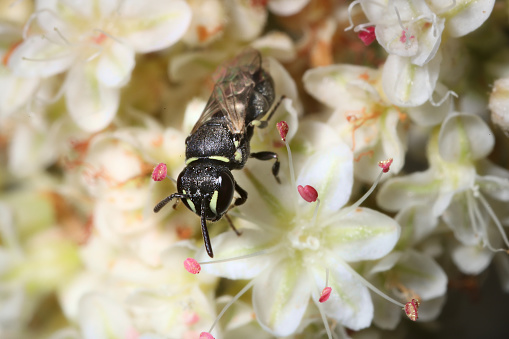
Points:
[[232, 226], [265, 123], [169, 198], [242, 193], [204, 230], [268, 156]]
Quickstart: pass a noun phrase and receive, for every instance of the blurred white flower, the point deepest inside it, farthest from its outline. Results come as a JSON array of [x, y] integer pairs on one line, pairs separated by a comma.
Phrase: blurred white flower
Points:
[[97, 45]]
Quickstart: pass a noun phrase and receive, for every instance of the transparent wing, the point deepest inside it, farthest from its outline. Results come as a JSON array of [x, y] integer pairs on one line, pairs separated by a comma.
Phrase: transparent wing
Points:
[[233, 88]]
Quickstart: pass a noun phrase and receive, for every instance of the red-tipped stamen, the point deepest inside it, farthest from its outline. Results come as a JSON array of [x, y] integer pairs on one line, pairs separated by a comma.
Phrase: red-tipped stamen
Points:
[[159, 172], [192, 266], [206, 335], [282, 127], [385, 165], [367, 35], [325, 294], [411, 309], [308, 193]]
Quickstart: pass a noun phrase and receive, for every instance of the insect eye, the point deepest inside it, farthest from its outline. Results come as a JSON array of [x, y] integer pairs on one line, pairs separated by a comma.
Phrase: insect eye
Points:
[[226, 189]]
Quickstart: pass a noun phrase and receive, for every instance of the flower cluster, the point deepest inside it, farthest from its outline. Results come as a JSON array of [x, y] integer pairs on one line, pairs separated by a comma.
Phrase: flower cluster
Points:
[[389, 183]]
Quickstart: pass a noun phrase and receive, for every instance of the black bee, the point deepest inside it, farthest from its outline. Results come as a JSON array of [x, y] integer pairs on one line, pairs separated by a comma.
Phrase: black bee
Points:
[[219, 142]]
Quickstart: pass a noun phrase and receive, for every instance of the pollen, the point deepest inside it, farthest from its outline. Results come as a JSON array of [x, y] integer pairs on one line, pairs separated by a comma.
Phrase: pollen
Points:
[[192, 266], [385, 165], [282, 127]]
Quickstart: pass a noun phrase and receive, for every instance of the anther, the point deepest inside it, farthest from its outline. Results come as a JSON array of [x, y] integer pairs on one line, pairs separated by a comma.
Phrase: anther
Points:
[[385, 165], [367, 35], [411, 309], [192, 266], [325, 294], [159, 172]]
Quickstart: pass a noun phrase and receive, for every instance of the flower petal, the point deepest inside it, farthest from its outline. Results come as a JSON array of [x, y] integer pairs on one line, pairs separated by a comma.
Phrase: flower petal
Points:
[[421, 274], [286, 7], [91, 104], [39, 57], [115, 65], [101, 317], [350, 302], [153, 25], [281, 296], [471, 259], [458, 217], [228, 245], [330, 172], [465, 137], [406, 84], [465, 17], [416, 188], [362, 234]]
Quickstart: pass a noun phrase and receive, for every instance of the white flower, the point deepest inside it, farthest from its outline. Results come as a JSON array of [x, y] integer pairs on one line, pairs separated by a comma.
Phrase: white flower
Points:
[[453, 189], [364, 119], [301, 244], [97, 45]]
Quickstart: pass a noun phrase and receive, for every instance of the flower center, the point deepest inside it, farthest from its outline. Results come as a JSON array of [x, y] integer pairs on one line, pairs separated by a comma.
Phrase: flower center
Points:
[[301, 239]]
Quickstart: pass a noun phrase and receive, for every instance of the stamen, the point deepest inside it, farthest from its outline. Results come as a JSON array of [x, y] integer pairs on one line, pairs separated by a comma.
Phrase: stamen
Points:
[[284, 125], [160, 172], [484, 230], [246, 256], [234, 299], [324, 319], [47, 59], [367, 36], [108, 35], [371, 286], [308, 193], [61, 36], [441, 101], [350, 14], [385, 165], [206, 335], [411, 309], [192, 266], [494, 218], [324, 296]]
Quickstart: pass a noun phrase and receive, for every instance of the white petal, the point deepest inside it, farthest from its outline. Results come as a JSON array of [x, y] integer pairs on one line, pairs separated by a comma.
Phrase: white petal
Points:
[[276, 44], [375, 10], [465, 137], [417, 222], [330, 172], [153, 25], [465, 17], [458, 218], [286, 7], [15, 91], [247, 20], [336, 85], [38, 57], [101, 317], [115, 65], [350, 302], [406, 84], [362, 234], [429, 115], [228, 245], [421, 274], [91, 104], [471, 259], [414, 189], [281, 296], [495, 187]]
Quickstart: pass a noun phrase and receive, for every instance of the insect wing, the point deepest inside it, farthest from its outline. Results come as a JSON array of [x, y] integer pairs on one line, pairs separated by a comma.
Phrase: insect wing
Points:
[[234, 85]]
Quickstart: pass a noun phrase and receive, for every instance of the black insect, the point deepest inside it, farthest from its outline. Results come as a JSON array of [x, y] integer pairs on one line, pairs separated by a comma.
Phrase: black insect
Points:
[[219, 142]]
